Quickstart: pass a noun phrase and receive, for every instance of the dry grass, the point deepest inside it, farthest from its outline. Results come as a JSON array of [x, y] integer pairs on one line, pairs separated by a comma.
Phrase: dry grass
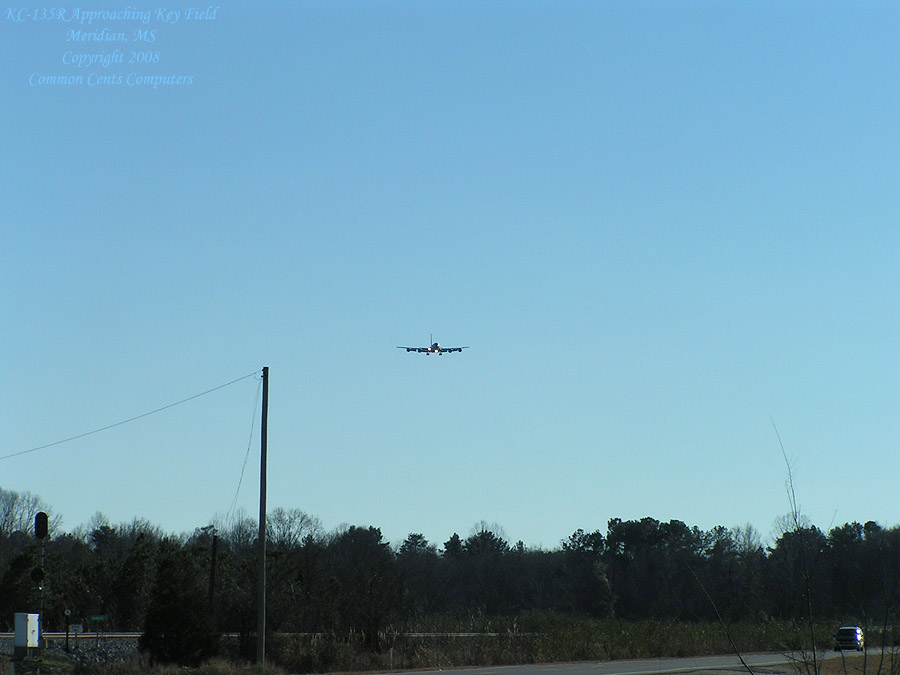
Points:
[[859, 664], [855, 664]]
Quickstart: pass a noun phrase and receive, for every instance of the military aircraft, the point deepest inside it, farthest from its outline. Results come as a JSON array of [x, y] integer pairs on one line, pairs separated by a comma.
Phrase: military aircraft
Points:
[[433, 348]]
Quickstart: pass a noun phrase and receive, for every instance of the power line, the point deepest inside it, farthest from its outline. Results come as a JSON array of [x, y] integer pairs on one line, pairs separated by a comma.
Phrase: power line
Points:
[[130, 419]]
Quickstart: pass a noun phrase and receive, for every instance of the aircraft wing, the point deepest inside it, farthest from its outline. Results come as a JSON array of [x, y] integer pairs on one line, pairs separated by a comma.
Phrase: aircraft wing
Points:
[[452, 349], [415, 349]]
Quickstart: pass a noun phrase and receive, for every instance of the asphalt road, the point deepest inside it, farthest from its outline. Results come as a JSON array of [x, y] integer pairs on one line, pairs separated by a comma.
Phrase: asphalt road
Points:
[[639, 667], [762, 664]]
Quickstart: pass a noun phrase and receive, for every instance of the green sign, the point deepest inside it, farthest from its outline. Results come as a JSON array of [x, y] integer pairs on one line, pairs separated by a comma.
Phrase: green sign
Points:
[[100, 618]]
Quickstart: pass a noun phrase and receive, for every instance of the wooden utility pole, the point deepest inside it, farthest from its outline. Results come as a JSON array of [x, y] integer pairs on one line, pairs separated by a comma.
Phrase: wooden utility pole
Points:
[[261, 587]]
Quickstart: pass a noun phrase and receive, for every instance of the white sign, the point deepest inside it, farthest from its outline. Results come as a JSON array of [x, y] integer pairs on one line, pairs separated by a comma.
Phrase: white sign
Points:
[[76, 628]]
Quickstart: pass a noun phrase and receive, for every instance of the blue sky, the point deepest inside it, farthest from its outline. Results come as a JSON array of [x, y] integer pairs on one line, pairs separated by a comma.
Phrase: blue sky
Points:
[[656, 225]]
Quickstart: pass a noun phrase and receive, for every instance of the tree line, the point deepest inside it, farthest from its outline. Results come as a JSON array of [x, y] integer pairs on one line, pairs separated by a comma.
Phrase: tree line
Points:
[[351, 580]]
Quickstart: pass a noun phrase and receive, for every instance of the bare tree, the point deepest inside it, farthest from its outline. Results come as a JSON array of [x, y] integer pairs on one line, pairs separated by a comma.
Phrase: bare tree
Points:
[[287, 528], [18, 509], [747, 540], [239, 533], [797, 524]]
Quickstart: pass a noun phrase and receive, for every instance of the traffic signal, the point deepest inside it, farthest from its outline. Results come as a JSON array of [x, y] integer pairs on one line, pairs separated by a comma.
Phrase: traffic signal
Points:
[[40, 525]]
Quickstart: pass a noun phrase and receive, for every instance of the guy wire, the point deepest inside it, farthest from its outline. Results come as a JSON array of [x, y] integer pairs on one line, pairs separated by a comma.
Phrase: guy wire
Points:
[[230, 512]]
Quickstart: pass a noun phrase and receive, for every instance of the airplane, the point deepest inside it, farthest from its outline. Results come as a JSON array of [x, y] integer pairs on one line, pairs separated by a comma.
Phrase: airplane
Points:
[[433, 348]]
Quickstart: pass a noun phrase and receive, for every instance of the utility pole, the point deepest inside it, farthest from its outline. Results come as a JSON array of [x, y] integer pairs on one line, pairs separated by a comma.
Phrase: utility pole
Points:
[[261, 587]]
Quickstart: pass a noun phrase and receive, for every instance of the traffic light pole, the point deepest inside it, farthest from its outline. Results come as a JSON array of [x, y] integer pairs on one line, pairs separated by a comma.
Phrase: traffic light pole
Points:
[[261, 586], [41, 530]]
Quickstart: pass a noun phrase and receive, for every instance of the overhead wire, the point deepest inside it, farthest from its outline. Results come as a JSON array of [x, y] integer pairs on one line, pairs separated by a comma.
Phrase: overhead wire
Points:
[[130, 419]]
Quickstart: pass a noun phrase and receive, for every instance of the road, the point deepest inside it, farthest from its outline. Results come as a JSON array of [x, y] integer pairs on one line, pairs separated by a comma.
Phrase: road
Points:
[[763, 664], [639, 667]]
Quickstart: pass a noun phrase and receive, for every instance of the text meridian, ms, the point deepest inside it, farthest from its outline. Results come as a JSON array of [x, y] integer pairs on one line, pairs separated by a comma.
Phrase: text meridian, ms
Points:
[[104, 35]]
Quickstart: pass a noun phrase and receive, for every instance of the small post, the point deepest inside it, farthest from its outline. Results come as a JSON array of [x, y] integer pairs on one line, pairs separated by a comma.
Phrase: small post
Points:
[[212, 571]]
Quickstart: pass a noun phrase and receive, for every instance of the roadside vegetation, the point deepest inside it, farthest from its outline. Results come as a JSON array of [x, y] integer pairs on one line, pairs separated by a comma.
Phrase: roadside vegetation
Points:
[[349, 601]]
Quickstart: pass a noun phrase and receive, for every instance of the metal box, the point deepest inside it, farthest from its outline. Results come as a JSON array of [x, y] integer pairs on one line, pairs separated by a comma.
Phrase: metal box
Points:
[[28, 630]]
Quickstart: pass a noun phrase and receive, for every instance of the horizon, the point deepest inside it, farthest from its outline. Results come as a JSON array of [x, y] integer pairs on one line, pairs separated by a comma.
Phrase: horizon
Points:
[[232, 520]]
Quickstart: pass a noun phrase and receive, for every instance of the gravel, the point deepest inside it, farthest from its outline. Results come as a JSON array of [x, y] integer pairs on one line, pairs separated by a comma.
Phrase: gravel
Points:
[[87, 650]]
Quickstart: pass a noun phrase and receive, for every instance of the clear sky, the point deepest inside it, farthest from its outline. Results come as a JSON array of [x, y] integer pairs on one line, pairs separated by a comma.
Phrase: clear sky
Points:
[[656, 225]]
